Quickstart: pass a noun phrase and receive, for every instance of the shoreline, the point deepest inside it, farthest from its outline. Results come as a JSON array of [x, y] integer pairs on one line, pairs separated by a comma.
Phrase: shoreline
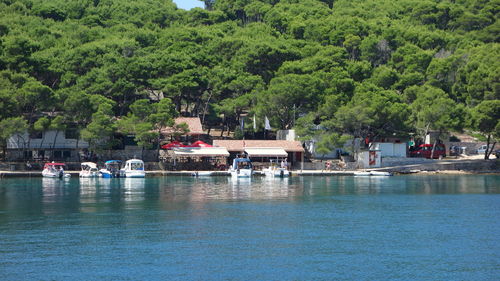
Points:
[[443, 167], [295, 173]]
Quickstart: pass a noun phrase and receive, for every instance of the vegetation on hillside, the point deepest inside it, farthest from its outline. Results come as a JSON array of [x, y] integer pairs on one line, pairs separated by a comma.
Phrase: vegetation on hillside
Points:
[[364, 68]]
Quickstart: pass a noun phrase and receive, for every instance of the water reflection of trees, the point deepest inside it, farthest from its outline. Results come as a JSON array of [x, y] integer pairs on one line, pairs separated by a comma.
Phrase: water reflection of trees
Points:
[[102, 195], [228, 189]]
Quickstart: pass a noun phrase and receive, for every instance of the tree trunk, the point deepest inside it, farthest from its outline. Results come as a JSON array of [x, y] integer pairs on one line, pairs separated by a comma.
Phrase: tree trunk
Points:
[[205, 108], [433, 148], [158, 139], [43, 138], [486, 154], [55, 139], [491, 149]]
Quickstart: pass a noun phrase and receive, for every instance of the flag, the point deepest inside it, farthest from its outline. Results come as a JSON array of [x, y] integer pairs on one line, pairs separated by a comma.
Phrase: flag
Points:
[[242, 124], [254, 124], [267, 126]]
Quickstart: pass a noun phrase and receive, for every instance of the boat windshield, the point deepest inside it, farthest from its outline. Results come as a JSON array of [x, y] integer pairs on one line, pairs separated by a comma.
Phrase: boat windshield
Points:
[[136, 166], [112, 164], [242, 163]]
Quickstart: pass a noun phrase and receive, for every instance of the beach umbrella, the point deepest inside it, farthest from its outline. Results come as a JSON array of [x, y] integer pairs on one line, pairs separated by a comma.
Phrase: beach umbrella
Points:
[[172, 145], [200, 144]]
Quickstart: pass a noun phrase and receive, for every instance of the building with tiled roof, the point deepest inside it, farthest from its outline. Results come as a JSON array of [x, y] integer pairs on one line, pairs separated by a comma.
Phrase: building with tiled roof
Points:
[[240, 145], [264, 149]]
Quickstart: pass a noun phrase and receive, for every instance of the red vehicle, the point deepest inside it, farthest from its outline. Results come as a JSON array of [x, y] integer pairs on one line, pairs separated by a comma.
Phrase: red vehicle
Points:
[[425, 150]]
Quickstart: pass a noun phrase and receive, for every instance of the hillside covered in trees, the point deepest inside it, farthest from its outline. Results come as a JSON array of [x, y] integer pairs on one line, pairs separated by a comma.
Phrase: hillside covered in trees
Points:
[[356, 67]]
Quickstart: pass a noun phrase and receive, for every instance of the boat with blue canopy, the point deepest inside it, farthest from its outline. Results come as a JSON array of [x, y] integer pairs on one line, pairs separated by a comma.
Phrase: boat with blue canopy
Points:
[[241, 168], [111, 169]]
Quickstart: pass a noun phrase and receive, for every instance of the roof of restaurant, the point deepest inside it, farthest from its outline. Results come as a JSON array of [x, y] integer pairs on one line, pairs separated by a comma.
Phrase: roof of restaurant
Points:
[[200, 151], [240, 145], [265, 152]]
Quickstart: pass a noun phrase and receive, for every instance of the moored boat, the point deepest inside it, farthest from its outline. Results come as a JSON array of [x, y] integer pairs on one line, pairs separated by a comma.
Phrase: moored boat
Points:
[[111, 169], [54, 170], [277, 169], [89, 170], [362, 174], [241, 168], [380, 173], [371, 173], [134, 168]]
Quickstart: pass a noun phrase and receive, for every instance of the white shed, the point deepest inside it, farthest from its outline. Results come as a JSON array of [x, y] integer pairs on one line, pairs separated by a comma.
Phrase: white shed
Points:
[[369, 159], [389, 149]]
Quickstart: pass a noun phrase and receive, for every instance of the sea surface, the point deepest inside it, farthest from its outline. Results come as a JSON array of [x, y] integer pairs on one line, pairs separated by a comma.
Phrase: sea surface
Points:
[[418, 227]]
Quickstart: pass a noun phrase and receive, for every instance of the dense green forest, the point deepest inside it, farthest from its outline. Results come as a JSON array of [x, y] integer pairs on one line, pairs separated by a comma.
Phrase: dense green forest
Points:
[[362, 68]]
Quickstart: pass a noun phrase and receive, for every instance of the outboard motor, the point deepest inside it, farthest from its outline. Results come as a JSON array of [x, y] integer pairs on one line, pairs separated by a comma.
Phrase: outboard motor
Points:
[[282, 173], [61, 174]]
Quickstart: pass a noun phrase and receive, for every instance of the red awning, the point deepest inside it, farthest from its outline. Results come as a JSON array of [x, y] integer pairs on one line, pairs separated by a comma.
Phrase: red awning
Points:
[[199, 144], [172, 145]]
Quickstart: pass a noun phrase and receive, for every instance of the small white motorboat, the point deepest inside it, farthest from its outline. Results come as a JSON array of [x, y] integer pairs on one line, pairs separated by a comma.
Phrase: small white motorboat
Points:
[[89, 170], [134, 168], [275, 170], [241, 168], [362, 174], [380, 173], [54, 170], [371, 173]]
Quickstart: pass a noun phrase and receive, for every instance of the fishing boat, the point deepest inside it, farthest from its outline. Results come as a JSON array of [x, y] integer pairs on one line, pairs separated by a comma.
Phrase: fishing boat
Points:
[[54, 170], [89, 170], [277, 168], [241, 168], [134, 168], [111, 169]]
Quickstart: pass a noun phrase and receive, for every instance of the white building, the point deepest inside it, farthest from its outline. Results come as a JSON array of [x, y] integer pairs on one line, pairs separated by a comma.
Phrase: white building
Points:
[[48, 145]]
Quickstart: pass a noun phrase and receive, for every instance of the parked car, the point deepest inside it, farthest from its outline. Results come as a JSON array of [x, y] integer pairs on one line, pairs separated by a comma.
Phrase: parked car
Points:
[[425, 150], [482, 149]]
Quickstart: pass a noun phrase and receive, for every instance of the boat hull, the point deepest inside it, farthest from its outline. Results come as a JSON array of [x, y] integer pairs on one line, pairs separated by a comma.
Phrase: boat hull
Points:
[[362, 174], [372, 173], [380, 174], [86, 174], [241, 173], [108, 174], [49, 174], [135, 174]]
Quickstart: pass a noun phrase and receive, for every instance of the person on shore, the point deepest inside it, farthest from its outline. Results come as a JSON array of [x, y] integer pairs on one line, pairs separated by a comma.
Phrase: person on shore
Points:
[[284, 163], [328, 165], [28, 166]]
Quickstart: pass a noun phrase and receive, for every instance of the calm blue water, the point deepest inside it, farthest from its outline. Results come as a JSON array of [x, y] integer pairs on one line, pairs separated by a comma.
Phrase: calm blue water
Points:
[[302, 228]]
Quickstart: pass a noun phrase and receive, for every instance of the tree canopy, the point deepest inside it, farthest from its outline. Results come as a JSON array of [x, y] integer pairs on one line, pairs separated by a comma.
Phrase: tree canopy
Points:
[[357, 67]]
